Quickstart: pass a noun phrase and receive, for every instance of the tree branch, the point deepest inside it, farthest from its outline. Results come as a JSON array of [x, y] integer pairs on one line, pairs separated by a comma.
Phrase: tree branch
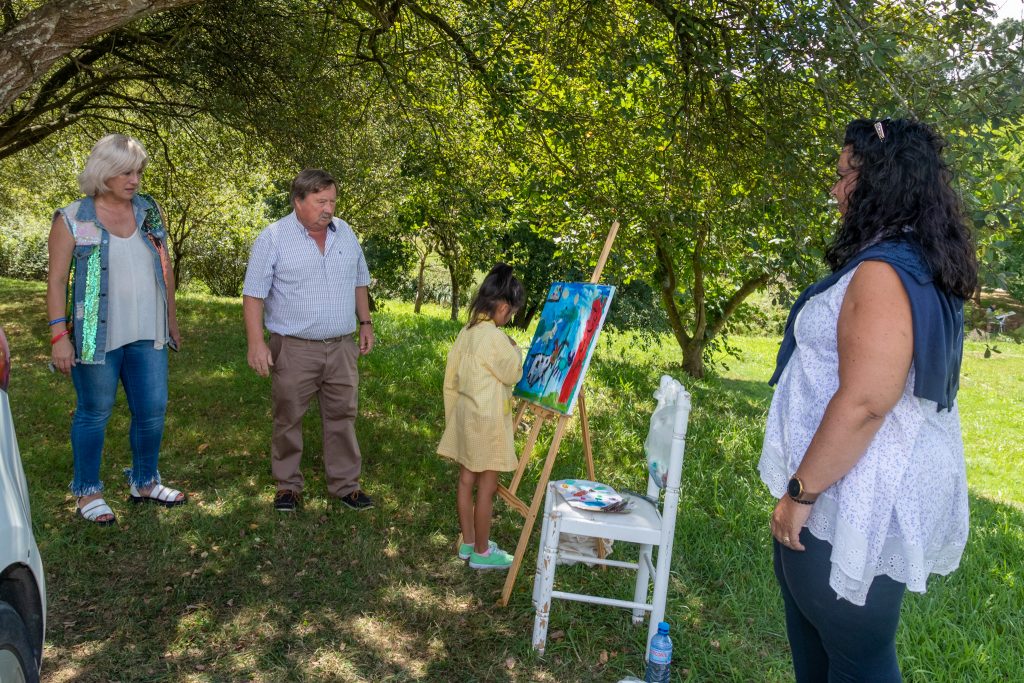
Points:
[[35, 43], [738, 297]]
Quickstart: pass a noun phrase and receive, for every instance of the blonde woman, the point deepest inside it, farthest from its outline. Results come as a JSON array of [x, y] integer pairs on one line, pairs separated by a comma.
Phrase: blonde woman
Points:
[[110, 304]]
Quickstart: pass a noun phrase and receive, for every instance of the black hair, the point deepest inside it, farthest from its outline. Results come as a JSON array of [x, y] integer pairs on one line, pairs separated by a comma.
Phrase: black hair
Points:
[[904, 190], [500, 285]]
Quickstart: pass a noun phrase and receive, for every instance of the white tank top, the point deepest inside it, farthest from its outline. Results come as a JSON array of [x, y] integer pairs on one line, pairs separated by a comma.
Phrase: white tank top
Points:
[[135, 309]]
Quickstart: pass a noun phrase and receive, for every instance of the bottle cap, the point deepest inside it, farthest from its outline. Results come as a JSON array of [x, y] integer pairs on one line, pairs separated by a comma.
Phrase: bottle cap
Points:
[[662, 627]]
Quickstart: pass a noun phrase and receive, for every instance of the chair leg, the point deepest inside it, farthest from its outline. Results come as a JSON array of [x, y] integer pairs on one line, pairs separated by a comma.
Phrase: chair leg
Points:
[[546, 564], [661, 571], [643, 578], [545, 523]]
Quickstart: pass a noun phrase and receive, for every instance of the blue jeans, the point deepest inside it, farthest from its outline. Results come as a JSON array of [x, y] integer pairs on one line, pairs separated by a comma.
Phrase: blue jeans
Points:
[[142, 370], [832, 639]]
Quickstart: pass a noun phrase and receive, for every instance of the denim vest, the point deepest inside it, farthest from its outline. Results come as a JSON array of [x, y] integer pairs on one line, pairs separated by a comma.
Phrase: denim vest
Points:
[[88, 283]]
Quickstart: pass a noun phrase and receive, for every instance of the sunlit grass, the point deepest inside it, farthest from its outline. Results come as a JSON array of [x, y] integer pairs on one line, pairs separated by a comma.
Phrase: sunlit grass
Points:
[[225, 589]]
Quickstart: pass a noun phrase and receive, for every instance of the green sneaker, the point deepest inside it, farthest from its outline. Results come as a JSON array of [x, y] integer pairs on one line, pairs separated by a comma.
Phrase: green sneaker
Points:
[[496, 559], [466, 549]]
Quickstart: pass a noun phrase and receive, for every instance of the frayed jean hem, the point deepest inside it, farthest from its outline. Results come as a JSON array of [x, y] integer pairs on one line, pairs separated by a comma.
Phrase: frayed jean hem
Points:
[[79, 491], [140, 483]]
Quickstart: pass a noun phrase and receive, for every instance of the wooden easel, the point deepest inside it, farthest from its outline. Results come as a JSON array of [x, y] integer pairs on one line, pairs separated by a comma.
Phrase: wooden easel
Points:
[[541, 416]]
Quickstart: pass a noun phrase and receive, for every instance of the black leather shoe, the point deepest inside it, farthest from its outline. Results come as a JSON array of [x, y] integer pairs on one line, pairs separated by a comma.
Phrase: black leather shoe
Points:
[[358, 500], [286, 500]]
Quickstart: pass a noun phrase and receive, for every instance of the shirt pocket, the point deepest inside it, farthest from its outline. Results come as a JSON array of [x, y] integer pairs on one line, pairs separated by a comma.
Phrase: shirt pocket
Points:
[[342, 266], [83, 252]]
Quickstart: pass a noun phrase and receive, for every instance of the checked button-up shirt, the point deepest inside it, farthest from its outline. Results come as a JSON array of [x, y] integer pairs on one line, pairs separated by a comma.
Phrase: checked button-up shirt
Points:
[[305, 293]]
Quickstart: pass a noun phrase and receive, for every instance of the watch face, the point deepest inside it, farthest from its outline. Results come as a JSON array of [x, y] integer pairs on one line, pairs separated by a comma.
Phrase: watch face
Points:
[[795, 489]]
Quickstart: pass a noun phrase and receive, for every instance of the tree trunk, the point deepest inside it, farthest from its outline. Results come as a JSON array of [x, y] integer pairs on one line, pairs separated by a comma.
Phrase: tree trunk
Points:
[[48, 33], [180, 256], [667, 289], [176, 267], [693, 358], [455, 291], [704, 327], [419, 281], [523, 317]]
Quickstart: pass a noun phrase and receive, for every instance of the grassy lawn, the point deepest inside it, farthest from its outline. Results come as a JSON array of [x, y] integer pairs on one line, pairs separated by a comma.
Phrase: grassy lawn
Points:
[[224, 589]]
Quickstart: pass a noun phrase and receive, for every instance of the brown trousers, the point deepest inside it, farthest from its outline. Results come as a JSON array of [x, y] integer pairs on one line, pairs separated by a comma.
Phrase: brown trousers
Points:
[[328, 370]]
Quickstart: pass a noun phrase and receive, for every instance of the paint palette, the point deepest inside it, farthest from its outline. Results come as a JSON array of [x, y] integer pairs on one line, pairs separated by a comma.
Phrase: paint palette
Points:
[[589, 495]]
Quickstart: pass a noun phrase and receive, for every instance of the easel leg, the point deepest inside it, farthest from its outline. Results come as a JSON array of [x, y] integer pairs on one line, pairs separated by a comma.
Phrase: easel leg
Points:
[[535, 503], [519, 416], [524, 458], [588, 452]]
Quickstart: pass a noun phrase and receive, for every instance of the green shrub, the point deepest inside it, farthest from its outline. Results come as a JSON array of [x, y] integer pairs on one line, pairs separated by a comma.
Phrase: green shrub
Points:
[[390, 261], [23, 255], [219, 260]]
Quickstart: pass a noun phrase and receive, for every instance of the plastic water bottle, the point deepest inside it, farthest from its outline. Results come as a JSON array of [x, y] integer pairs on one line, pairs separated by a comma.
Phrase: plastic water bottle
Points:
[[659, 659]]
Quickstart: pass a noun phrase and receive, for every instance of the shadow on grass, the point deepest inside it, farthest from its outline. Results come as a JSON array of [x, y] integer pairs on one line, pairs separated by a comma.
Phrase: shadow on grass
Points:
[[224, 589]]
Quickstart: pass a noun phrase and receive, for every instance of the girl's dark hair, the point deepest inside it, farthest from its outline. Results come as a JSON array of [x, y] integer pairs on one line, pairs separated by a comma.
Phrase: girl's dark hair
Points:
[[903, 182], [499, 285]]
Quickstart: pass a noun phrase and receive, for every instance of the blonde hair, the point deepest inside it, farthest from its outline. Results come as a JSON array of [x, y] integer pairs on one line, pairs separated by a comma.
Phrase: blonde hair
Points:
[[113, 155]]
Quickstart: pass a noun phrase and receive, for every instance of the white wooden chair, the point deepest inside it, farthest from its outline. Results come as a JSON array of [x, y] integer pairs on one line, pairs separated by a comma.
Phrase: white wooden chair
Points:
[[644, 525]]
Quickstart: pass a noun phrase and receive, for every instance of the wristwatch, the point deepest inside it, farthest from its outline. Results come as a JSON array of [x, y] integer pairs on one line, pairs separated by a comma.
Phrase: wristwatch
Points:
[[798, 493]]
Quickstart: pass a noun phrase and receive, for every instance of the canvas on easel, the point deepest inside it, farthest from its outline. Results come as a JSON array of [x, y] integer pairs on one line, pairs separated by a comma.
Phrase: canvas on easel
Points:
[[558, 357]]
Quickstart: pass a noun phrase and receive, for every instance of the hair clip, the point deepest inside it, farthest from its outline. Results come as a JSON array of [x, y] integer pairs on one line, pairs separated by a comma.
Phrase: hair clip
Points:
[[880, 130]]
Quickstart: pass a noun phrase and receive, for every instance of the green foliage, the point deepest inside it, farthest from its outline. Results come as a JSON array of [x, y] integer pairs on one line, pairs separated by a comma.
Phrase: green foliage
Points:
[[636, 307], [23, 255], [219, 259], [519, 131], [390, 261]]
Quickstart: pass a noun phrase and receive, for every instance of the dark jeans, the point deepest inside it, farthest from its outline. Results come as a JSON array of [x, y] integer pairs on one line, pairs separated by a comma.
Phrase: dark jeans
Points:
[[832, 639]]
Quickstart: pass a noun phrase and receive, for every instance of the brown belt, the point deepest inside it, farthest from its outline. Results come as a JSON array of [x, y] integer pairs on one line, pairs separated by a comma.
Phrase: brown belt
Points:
[[331, 340]]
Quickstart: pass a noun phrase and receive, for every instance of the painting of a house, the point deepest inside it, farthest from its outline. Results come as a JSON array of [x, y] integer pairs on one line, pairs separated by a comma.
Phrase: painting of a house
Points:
[[559, 354]]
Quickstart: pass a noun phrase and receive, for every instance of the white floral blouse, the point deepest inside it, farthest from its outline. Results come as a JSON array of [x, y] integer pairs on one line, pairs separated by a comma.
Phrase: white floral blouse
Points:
[[902, 510]]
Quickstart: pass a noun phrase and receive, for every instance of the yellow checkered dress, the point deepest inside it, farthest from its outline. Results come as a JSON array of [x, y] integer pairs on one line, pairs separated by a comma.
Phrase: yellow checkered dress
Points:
[[483, 366]]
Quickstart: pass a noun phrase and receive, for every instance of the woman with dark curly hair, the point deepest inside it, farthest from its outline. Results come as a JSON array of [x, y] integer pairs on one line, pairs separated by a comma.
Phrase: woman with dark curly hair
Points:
[[863, 446]]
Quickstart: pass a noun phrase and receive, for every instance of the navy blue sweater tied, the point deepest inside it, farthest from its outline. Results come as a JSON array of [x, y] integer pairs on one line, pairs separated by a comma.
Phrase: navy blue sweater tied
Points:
[[938, 321]]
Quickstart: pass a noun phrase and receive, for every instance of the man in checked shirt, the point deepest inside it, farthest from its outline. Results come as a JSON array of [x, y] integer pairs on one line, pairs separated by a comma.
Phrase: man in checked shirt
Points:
[[307, 282]]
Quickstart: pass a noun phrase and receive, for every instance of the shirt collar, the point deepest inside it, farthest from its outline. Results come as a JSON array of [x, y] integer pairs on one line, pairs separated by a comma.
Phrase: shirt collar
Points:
[[333, 227]]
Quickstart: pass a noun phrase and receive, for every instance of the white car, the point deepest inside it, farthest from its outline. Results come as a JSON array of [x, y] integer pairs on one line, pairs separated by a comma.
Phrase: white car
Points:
[[22, 588]]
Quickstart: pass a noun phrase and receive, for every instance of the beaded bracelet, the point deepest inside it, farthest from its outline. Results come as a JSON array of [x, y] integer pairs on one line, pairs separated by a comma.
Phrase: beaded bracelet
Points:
[[60, 335], [57, 320], [366, 322]]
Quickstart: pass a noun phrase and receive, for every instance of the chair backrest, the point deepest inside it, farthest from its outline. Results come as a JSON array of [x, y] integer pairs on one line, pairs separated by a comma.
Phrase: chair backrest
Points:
[[670, 504], [677, 448]]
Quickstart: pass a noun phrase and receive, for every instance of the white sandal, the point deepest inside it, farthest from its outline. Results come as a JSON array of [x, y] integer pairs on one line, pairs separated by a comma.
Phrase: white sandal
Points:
[[159, 494], [95, 509]]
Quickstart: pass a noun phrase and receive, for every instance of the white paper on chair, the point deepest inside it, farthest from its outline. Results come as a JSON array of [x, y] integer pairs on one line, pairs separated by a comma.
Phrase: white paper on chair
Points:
[[591, 495]]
